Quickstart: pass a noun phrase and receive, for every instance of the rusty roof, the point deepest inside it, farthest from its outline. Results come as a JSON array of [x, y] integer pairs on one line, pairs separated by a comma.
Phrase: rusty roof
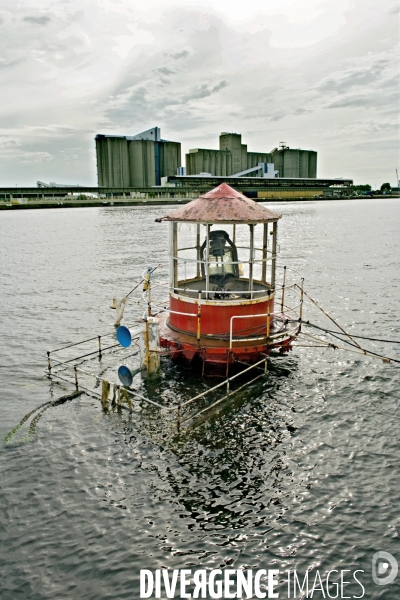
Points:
[[223, 204]]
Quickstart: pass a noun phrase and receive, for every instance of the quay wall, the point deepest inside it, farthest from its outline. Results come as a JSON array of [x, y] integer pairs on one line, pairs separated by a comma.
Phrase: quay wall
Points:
[[22, 204]]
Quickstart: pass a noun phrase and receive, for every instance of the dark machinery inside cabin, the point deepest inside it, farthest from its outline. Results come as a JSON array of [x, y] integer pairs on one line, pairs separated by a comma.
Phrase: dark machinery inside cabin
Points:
[[222, 253]]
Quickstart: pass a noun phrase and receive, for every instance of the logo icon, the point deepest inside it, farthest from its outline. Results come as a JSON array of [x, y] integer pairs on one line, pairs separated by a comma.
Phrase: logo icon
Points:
[[383, 563]]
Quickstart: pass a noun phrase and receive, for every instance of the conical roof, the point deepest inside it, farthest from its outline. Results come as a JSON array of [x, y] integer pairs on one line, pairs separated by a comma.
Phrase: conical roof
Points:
[[223, 204]]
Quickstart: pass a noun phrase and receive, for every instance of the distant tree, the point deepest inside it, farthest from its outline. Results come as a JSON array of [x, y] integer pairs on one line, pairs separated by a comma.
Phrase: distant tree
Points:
[[361, 188], [386, 187]]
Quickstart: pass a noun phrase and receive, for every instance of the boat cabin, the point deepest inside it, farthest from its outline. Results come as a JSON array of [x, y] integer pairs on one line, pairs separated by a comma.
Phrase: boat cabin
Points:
[[222, 254]]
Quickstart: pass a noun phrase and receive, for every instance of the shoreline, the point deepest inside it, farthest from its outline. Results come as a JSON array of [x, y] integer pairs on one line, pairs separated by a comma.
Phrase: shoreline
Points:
[[159, 201]]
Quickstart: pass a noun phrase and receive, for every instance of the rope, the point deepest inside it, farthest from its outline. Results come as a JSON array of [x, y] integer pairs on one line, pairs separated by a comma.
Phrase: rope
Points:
[[9, 438], [337, 335], [332, 319], [358, 351], [361, 337], [142, 280]]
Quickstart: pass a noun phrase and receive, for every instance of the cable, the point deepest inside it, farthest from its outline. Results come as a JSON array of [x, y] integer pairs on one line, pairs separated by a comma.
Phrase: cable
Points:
[[361, 337], [9, 438], [387, 358]]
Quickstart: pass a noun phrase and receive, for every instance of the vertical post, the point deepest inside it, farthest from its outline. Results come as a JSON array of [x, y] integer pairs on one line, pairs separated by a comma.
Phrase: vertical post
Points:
[[274, 245], [178, 424], [301, 302], [198, 251], [76, 378], [268, 315], [198, 318], [283, 289], [174, 248], [149, 347], [207, 260], [48, 362], [171, 256], [234, 235], [251, 259], [149, 297], [99, 339], [264, 254]]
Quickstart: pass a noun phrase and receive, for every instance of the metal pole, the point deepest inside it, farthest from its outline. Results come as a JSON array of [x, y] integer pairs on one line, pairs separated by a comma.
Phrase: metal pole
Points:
[[48, 362], [178, 424], [301, 301], [268, 316], [147, 348], [199, 317], [283, 289], [264, 256], [234, 234], [175, 255], [274, 245], [198, 251], [207, 261], [251, 259], [149, 298]]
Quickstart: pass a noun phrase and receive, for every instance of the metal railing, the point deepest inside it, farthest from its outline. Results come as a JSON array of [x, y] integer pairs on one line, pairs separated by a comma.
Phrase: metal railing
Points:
[[60, 367]]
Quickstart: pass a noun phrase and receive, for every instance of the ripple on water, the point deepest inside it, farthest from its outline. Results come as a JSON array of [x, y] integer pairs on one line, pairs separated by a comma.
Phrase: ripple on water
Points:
[[301, 471]]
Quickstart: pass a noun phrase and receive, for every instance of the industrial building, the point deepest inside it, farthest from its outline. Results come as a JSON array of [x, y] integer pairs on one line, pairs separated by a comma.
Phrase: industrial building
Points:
[[135, 161], [292, 162], [277, 188], [232, 158], [145, 160]]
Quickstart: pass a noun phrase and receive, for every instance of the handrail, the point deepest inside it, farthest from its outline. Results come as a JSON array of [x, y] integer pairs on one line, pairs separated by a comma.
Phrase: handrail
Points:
[[188, 289], [238, 247], [244, 317], [175, 312], [233, 262]]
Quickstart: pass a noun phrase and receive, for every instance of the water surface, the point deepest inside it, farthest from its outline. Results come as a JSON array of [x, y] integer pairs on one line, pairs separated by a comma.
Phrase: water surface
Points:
[[301, 472]]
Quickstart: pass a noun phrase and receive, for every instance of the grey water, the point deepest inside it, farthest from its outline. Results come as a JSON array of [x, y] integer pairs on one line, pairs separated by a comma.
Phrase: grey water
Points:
[[301, 472]]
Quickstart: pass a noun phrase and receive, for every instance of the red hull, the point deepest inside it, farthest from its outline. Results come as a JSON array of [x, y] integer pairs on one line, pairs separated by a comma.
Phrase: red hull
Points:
[[218, 351], [216, 317]]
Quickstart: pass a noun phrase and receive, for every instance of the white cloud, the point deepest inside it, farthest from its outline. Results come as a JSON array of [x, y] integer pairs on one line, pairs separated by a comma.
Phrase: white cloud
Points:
[[296, 70], [125, 43]]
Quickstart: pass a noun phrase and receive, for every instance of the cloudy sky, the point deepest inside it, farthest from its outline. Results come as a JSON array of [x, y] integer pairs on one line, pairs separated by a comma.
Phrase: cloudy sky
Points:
[[316, 74]]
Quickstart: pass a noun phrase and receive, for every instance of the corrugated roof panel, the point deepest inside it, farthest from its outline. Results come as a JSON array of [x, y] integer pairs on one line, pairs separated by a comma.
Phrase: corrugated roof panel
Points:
[[223, 204]]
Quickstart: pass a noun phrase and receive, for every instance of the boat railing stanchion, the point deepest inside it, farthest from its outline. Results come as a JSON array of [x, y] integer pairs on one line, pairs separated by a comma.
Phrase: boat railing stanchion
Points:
[[149, 298], [301, 302], [76, 378], [283, 289], [178, 423], [99, 339], [48, 363], [198, 318], [268, 315]]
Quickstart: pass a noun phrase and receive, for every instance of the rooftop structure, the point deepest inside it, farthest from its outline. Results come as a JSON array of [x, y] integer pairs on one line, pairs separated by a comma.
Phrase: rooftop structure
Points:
[[222, 205]]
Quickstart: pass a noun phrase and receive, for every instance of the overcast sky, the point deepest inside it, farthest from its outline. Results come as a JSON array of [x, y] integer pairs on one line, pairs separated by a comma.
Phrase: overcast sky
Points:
[[316, 74]]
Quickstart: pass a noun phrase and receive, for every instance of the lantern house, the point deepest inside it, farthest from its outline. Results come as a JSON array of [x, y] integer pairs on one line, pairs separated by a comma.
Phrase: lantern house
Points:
[[222, 286]]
